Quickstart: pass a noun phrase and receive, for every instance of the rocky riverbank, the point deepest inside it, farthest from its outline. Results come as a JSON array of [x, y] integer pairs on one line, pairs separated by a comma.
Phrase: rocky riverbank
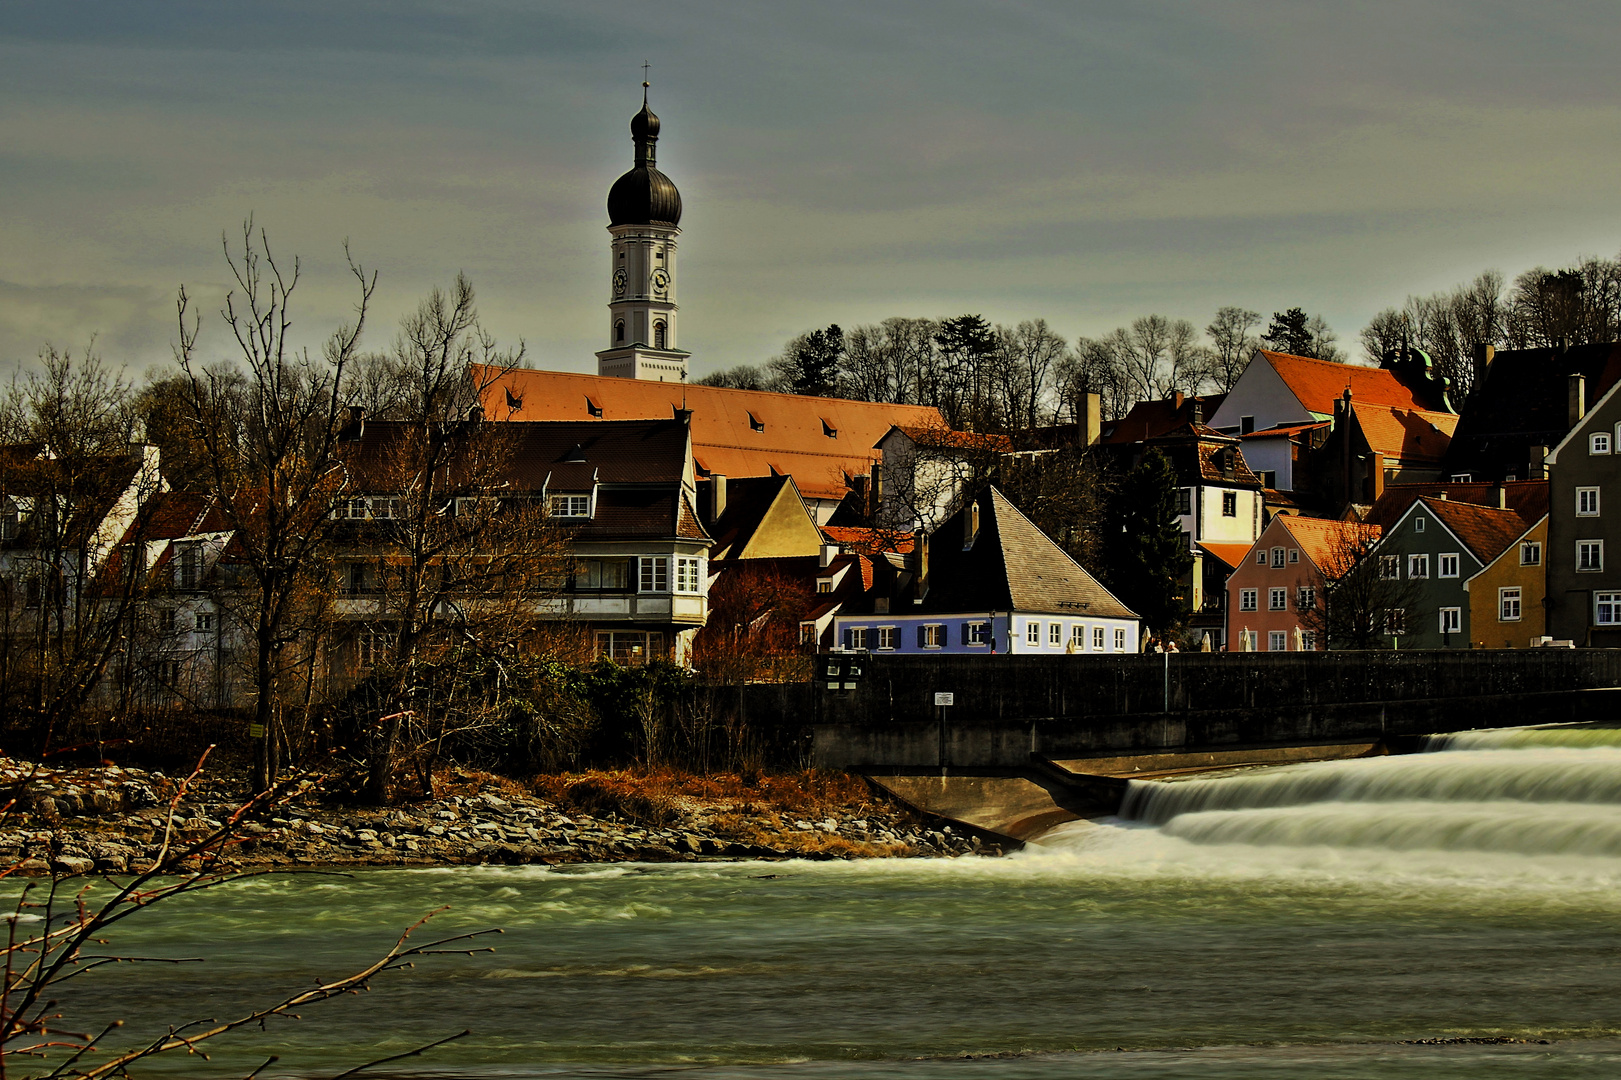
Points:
[[111, 820]]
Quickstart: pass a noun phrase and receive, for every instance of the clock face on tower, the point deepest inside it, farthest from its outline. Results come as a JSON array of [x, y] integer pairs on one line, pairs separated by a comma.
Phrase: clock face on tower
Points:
[[619, 281], [661, 280]]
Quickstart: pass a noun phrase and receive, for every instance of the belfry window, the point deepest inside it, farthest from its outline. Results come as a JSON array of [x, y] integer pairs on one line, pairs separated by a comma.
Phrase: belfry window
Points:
[[658, 334], [619, 331]]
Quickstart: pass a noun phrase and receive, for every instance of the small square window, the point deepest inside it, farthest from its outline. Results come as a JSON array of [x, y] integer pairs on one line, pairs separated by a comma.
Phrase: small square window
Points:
[[1395, 620], [888, 637], [1607, 608], [1418, 566], [1260, 557], [1448, 565], [1294, 556], [1418, 524], [1277, 641], [1247, 598], [1277, 600], [1306, 598], [1598, 442], [1389, 567], [856, 637], [204, 622], [1531, 553]]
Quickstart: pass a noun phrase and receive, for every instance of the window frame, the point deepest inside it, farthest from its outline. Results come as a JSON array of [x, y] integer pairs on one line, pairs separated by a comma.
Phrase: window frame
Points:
[[1610, 601], [1594, 449], [1248, 599], [1032, 633], [1278, 558], [652, 573], [888, 638], [1279, 638], [1055, 635], [1184, 502], [1416, 564], [1277, 598], [1229, 504], [572, 506], [1582, 496], [1441, 564], [1582, 547], [1450, 620], [1505, 595], [1306, 598], [1099, 639], [1533, 548], [1119, 639], [688, 566]]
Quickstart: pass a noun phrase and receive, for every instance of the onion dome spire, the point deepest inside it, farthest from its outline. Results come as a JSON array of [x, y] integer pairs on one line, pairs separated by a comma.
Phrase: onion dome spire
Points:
[[644, 196]]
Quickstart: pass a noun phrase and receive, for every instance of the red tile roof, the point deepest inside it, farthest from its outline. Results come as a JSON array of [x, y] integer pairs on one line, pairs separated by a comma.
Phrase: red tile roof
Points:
[[1148, 419], [867, 541], [1318, 383], [1328, 543], [1408, 434], [1527, 498], [1485, 530], [818, 441], [1231, 555], [942, 436]]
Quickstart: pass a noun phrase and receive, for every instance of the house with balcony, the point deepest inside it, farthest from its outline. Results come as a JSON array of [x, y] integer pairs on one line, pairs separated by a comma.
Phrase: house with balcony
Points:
[[623, 494]]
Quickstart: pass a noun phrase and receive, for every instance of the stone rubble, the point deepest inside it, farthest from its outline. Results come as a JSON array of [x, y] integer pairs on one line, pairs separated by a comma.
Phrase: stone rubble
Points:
[[111, 820]]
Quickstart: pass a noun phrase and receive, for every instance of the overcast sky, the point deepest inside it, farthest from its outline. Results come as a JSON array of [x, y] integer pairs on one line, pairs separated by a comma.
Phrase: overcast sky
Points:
[[839, 162]]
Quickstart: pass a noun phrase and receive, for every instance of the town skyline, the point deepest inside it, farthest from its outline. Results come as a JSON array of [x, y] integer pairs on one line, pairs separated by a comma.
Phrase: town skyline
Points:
[[837, 166]]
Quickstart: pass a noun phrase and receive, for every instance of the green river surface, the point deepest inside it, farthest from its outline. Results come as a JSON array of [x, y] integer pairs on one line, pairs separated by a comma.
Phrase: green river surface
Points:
[[1301, 921]]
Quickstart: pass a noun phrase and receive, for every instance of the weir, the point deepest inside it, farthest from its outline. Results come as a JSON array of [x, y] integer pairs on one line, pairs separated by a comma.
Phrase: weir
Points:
[[1028, 742]]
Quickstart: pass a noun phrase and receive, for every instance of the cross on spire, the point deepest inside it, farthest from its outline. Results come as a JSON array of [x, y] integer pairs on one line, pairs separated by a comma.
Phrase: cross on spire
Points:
[[645, 84]]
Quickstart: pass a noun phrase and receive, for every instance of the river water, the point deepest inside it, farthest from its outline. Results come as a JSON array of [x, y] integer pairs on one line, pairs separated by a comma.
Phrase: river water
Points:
[[1316, 920]]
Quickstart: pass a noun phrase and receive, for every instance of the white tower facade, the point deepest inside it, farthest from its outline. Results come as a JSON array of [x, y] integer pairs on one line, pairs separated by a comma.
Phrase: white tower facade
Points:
[[644, 214]]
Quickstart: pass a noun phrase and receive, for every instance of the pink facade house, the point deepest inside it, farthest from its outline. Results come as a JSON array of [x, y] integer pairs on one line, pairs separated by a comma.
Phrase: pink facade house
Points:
[[1271, 595]]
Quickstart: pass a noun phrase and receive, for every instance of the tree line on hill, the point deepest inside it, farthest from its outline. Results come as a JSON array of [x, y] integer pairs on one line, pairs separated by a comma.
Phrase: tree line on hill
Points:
[[986, 377]]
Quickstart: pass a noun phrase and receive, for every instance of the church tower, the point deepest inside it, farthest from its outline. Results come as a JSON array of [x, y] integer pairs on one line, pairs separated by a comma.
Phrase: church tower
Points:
[[644, 212]]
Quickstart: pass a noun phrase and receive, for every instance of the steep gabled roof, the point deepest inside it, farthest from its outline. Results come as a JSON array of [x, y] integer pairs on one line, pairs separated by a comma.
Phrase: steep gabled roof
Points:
[[1413, 435], [1484, 530], [1231, 555], [1009, 565], [1511, 546], [764, 519], [1317, 384], [819, 441], [1527, 498], [1524, 402]]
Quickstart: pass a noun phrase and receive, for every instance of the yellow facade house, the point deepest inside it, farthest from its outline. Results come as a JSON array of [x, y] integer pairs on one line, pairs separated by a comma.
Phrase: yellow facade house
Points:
[[1505, 598]]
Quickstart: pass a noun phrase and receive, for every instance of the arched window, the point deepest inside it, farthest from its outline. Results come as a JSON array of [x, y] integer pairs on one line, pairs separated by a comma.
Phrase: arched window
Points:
[[658, 334], [619, 331]]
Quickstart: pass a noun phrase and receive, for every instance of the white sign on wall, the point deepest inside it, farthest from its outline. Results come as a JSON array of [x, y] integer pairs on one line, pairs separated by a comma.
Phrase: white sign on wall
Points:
[[945, 699]]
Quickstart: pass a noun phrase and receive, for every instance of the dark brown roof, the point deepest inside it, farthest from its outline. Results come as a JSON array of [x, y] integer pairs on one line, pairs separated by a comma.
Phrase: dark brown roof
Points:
[[1527, 498], [747, 501], [1011, 565], [1196, 452], [560, 455], [90, 488], [1151, 419], [1484, 530]]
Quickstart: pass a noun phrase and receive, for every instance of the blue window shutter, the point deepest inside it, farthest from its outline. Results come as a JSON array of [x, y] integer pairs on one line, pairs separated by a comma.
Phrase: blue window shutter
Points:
[[920, 637], [965, 632]]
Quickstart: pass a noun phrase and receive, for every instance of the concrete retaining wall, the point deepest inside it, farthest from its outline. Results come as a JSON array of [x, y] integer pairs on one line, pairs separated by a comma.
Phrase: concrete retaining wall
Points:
[[1008, 707]]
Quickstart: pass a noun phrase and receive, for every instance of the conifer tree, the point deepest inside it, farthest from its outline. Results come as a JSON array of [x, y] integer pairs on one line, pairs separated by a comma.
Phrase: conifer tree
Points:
[[1146, 549]]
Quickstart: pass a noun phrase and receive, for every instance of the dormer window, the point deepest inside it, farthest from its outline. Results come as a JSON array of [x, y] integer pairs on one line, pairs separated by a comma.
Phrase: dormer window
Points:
[[571, 506], [829, 430], [592, 407], [755, 423]]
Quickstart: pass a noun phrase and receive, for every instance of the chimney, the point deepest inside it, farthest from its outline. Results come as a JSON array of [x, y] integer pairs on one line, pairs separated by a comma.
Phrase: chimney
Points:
[[1483, 356], [970, 524], [1091, 419], [1176, 399], [1342, 428], [1538, 470], [1376, 478], [920, 563], [357, 413], [1442, 495], [1198, 411], [717, 496], [1577, 398], [1501, 497]]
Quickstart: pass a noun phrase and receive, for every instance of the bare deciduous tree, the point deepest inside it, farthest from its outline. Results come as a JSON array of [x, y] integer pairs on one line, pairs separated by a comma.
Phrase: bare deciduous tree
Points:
[[267, 427]]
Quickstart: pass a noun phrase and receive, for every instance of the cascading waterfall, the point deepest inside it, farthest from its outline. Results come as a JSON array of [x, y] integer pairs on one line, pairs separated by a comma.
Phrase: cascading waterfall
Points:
[[1532, 792]]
